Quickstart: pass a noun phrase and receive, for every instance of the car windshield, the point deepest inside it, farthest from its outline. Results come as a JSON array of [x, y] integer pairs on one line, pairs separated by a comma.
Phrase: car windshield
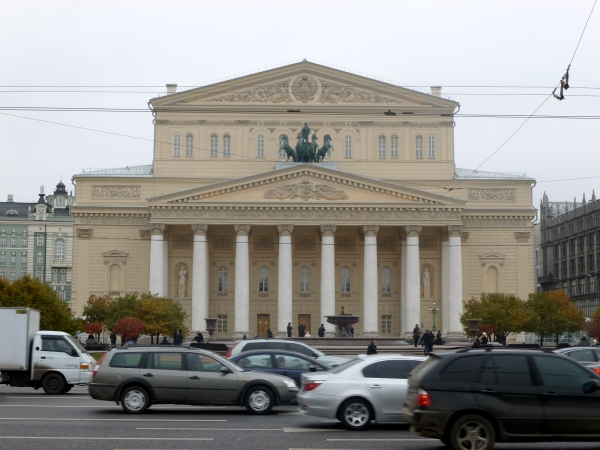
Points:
[[227, 363], [344, 366], [76, 343]]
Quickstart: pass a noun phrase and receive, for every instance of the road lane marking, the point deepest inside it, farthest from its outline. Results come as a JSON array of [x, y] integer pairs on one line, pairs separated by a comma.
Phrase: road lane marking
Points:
[[382, 440], [54, 397], [71, 438], [115, 420], [99, 406], [309, 430], [212, 429]]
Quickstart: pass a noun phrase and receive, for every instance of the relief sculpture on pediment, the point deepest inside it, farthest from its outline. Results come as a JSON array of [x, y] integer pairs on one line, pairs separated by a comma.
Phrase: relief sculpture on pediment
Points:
[[306, 190], [273, 93], [335, 93]]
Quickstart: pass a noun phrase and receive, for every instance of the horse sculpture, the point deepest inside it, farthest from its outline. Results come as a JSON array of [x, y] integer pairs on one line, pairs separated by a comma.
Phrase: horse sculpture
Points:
[[322, 152], [299, 149], [289, 151]]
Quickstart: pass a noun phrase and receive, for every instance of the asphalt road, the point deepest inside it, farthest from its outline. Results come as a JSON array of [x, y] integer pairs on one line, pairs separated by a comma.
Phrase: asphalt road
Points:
[[31, 420]]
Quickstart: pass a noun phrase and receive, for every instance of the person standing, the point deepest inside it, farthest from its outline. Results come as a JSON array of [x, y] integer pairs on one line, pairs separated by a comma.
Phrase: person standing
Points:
[[321, 332], [416, 334], [301, 330], [428, 338], [179, 337], [438, 338], [484, 338], [123, 340], [269, 334], [113, 339], [351, 331], [199, 337], [372, 348], [289, 329], [175, 338]]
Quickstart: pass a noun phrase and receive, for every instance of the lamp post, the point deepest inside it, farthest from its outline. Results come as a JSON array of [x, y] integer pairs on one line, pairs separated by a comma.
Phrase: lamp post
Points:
[[433, 309]]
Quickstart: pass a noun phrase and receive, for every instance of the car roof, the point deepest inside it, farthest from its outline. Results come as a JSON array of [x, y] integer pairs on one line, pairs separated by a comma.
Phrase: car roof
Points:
[[270, 351], [385, 356]]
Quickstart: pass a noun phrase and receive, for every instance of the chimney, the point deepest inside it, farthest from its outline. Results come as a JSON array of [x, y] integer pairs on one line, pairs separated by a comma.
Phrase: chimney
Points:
[[42, 189], [10, 198], [436, 91], [171, 89]]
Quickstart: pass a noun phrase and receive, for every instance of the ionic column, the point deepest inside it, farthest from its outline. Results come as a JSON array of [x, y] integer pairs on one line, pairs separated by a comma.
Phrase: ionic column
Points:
[[285, 282], [455, 296], [327, 272], [445, 285], [242, 281], [370, 278], [199, 278], [405, 328], [157, 257], [413, 276]]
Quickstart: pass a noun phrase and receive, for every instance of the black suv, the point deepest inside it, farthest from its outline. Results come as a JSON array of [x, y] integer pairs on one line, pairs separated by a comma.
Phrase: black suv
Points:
[[474, 397]]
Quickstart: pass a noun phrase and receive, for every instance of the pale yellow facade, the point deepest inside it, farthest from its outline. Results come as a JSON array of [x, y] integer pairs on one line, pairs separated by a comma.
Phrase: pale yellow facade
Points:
[[217, 168]]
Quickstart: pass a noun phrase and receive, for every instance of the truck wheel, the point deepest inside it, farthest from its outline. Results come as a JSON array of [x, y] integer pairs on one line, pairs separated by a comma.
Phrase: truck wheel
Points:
[[54, 384], [259, 400], [67, 388], [135, 400]]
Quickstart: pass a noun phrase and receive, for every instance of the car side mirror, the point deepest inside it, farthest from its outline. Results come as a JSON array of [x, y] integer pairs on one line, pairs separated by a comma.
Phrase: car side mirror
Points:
[[312, 368], [225, 369], [591, 386], [74, 352]]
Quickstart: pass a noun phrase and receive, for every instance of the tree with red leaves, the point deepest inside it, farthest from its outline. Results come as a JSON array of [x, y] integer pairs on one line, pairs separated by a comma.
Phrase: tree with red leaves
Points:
[[94, 328], [129, 327]]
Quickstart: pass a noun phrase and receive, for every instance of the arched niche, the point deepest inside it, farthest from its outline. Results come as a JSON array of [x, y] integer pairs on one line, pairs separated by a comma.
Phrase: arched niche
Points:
[[182, 280], [427, 268]]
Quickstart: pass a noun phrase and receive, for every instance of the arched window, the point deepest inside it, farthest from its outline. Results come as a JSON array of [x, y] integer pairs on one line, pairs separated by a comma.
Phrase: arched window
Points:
[[419, 146], [214, 146], [59, 201], [382, 146], [223, 280], [345, 280], [263, 279], [304, 280], [348, 146], [260, 145], [189, 145], [394, 146], [385, 280], [226, 146], [281, 150], [431, 141], [177, 145], [59, 250]]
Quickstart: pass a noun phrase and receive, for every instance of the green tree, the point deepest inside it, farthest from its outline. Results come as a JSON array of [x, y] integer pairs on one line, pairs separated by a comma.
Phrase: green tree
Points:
[[27, 292], [554, 314], [96, 308], [161, 315], [127, 306]]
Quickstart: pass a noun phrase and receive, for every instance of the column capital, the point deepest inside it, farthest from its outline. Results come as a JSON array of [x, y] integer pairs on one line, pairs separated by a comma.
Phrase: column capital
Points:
[[454, 230], [199, 229], [285, 230], [464, 236], [327, 228], [522, 236], [145, 234], [370, 229], [242, 229], [84, 232], [413, 230], [157, 228]]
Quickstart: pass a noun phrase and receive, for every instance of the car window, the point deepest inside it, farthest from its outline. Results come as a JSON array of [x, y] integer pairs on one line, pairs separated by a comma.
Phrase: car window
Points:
[[397, 369], [197, 362], [506, 370], [55, 344], [255, 362], [561, 373], [300, 349], [130, 360], [463, 370], [292, 362], [256, 346], [165, 361], [346, 365], [582, 355]]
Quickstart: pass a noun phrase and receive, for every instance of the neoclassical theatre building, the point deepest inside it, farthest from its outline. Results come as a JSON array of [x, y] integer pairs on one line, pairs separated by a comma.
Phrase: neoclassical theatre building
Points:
[[282, 196]]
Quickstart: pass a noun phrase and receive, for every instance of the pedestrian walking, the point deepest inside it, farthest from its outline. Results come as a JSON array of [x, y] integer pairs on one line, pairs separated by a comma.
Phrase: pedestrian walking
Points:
[[372, 348], [289, 329], [113, 339], [416, 334], [321, 332]]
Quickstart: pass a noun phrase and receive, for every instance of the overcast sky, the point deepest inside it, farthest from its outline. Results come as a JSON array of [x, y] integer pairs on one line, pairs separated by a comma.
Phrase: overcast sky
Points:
[[416, 43]]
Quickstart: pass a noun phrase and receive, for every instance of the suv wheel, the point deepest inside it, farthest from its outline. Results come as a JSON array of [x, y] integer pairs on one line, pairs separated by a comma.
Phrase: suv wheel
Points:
[[356, 414], [54, 384], [472, 432], [135, 400], [259, 400]]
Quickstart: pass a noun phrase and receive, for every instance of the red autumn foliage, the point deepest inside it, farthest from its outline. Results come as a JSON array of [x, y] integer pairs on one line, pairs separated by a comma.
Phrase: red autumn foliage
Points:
[[129, 327]]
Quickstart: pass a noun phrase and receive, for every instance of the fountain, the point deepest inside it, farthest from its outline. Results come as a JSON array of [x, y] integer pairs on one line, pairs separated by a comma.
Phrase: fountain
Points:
[[343, 321]]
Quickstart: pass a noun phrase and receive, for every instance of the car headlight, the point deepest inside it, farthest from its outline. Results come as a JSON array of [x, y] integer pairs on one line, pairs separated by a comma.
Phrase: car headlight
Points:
[[290, 383]]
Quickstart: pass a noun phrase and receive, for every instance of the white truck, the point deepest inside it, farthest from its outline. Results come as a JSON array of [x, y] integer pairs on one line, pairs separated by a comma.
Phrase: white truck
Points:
[[52, 360]]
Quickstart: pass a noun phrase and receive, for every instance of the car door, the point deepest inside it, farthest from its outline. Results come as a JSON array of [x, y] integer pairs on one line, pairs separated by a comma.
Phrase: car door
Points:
[[387, 387], [506, 388], [165, 372], [293, 366], [206, 383], [57, 354], [567, 409]]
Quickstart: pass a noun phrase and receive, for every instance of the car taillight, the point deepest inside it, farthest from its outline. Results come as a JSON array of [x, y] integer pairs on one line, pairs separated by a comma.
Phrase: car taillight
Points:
[[597, 370], [98, 365], [311, 386], [422, 398], [231, 349]]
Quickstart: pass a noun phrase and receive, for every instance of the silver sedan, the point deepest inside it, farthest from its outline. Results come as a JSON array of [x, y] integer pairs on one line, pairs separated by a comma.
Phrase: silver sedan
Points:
[[367, 388]]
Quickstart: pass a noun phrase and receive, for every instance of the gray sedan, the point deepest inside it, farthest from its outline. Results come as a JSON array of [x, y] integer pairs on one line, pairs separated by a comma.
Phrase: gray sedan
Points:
[[368, 388]]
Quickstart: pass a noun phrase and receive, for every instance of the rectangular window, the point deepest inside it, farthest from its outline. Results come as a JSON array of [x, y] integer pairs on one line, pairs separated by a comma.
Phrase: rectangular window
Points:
[[382, 145], [214, 149], [126, 360], [260, 146], [226, 146], [12, 276], [394, 146], [54, 274], [2, 258], [24, 241], [13, 241], [221, 323], [592, 284], [573, 287], [386, 324], [582, 286], [62, 295], [40, 258], [2, 241], [40, 241], [166, 361], [63, 275], [13, 258]]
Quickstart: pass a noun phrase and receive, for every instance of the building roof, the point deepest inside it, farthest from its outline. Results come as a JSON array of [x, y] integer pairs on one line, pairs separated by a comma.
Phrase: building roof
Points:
[[22, 209], [470, 173], [132, 171]]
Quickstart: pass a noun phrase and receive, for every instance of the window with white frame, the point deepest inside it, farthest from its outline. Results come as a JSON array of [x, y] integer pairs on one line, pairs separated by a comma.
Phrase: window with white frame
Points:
[[13, 276], [386, 280], [24, 258], [40, 258], [221, 323], [24, 241], [431, 144], [63, 275], [13, 241], [176, 144], [214, 146], [54, 274], [39, 273], [13, 257], [2, 258], [2, 276], [419, 147], [573, 287], [223, 279], [348, 146], [386, 324], [345, 287], [226, 146], [59, 250], [62, 295], [592, 280], [2, 240], [582, 286], [382, 145], [260, 145], [263, 279], [304, 280], [40, 241], [282, 153], [189, 145], [394, 146]]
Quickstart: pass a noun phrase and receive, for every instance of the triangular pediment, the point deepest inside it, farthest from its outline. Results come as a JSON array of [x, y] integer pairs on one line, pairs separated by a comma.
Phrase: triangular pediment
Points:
[[305, 84], [307, 183], [114, 253]]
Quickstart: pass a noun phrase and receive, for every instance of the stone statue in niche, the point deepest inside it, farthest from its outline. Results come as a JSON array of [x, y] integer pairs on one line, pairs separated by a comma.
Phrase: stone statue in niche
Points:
[[182, 273], [426, 283]]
